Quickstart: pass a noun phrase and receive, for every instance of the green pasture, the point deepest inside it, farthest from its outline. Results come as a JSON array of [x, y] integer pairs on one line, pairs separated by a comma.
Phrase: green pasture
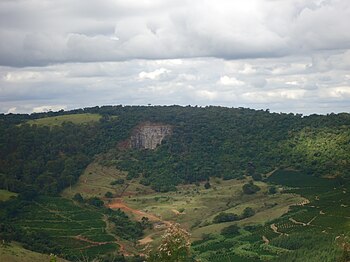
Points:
[[72, 118], [14, 252]]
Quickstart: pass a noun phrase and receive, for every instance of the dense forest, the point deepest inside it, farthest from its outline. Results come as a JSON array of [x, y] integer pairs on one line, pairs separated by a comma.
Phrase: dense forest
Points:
[[206, 142]]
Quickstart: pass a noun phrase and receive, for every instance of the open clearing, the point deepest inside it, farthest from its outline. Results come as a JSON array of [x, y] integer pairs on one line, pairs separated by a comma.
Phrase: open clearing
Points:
[[96, 181], [6, 195], [16, 253], [72, 118]]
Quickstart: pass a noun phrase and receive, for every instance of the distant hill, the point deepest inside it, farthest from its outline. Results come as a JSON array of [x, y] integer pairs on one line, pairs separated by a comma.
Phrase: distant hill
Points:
[[48, 151]]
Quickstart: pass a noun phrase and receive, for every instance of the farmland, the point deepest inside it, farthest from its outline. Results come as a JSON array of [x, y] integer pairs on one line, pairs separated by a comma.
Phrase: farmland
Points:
[[293, 236], [77, 230]]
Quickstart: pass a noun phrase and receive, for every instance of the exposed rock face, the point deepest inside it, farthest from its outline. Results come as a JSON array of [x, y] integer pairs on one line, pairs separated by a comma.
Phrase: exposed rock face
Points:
[[149, 135]]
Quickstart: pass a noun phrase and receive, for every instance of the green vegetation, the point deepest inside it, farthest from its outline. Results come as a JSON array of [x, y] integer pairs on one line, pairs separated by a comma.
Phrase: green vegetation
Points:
[[6, 195], [250, 188], [205, 167], [225, 217], [206, 142], [14, 252], [59, 226], [306, 233], [59, 120]]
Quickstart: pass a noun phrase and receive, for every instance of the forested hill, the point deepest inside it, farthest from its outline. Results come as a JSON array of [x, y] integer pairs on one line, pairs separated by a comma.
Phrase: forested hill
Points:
[[49, 154]]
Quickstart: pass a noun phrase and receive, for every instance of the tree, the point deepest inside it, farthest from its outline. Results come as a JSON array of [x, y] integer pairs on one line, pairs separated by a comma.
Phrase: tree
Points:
[[109, 194], [207, 185], [272, 190], [248, 212], [225, 217], [78, 197], [175, 246], [250, 188]]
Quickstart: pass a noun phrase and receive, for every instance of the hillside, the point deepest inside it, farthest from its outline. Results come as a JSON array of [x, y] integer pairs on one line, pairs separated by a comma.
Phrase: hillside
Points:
[[190, 165]]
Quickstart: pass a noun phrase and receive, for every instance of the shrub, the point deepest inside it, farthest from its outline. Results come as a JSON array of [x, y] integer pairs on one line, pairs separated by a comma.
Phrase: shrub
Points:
[[247, 212], [119, 181], [225, 217], [109, 194], [207, 185], [78, 197], [250, 188]]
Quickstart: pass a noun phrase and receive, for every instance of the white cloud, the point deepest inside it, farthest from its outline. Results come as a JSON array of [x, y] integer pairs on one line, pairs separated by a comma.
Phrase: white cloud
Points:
[[11, 110], [230, 81], [341, 92], [154, 74], [40, 109]]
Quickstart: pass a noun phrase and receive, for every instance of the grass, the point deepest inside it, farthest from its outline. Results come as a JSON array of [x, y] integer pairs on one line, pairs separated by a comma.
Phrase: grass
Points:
[[6, 195], [16, 253], [72, 118], [201, 205], [96, 181]]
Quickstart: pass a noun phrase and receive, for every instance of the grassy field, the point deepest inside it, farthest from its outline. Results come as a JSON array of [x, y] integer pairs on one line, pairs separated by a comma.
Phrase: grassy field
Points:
[[194, 207], [16, 253], [5, 195], [59, 120], [96, 181]]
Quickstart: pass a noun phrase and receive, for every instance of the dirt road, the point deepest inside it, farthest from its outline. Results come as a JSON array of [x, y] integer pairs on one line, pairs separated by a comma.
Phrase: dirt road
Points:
[[119, 203]]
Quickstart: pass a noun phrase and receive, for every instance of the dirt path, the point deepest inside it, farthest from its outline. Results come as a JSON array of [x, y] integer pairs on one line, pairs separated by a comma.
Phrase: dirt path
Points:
[[275, 229], [271, 173], [302, 223], [297, 222], [146, 240], [265, 240], [81, 238], [119, 203]]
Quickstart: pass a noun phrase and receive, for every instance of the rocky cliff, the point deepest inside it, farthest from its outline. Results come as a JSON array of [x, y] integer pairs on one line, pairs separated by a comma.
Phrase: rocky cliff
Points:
[[149, 135]]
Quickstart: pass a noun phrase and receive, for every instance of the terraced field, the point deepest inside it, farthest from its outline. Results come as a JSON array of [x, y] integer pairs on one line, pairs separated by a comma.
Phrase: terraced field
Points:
[[80, 231]]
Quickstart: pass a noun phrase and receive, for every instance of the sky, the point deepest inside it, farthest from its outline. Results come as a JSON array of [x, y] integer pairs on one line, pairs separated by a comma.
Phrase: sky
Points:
[[281, 55]]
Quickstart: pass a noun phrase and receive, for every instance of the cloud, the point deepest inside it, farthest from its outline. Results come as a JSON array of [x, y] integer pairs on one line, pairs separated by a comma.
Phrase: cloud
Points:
[[230, 81], [154, 74], [37, 33], [280, 84], [40, 109], [290, 55]]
